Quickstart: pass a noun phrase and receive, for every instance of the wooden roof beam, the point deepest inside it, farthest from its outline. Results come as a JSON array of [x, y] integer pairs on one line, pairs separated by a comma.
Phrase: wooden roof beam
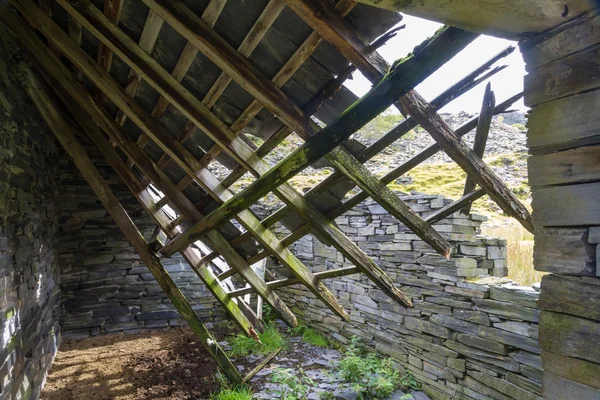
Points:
[[397, 83], [77, 91], [212, 125], [68, 138], [322, 17], [246, 75], [208, 182]]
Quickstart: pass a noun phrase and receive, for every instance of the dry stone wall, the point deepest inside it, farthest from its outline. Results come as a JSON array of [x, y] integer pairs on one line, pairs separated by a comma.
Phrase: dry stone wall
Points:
[[471, 335], [29, 273], [105, 286]]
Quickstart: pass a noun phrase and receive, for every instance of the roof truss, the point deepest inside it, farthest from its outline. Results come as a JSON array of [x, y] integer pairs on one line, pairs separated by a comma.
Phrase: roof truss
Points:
[[88, 116]]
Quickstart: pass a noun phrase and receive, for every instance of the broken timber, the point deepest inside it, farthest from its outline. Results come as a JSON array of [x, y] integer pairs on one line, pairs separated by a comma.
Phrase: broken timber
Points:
[[432, 54]]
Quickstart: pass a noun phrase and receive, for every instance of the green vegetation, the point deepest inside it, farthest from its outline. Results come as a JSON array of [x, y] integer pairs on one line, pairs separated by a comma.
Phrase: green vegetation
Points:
[[271, 339], [310, 336], [237, 393], [294, 384], [371, 375], [382, 124], [520, 127]]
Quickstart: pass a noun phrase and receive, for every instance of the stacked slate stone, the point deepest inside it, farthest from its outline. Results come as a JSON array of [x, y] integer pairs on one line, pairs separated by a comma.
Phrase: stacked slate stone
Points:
[[105, 286], [29, 273], [471, 335]]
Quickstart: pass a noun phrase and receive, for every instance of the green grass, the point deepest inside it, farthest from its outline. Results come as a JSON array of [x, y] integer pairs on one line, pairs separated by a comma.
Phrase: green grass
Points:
[[271, 339], [310, 336], [238, 393]]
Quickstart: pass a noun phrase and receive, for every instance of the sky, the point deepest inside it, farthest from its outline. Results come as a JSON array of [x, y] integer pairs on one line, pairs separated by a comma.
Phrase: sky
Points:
[[504, 84]]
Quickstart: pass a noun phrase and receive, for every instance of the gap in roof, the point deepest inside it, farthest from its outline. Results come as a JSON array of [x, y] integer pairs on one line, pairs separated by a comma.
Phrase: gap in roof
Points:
[[505, 84]]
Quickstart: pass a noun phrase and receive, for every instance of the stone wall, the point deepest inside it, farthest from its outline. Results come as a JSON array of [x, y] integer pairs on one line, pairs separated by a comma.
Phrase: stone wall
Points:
[[29, 273], [472, 334], [105, 287]]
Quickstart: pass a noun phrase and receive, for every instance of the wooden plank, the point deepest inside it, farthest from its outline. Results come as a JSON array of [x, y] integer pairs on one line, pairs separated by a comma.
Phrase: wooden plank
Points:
[[581, 165], [63, 78], [564, 251], [570, 336], [481, 135], [568, 76], [572, 205], [558, 388], [397, 83], [571, 295], [574, 369], [68, 138], [564, 40], [262, 364], [564, 123], [455, 206], [466, 158]]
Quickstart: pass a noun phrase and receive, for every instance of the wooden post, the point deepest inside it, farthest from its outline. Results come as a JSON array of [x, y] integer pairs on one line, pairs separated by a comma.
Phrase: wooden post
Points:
[[68, 138], [481, 135]]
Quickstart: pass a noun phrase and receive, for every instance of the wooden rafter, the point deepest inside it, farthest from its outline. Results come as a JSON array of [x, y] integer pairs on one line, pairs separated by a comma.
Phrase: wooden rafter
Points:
[[68, 137], [189, 164], [211, 184], [78, 92], [397, 83], [249, 78], [323, 18]]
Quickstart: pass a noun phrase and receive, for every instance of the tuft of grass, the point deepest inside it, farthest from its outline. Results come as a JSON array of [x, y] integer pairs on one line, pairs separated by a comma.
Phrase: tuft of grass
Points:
[[310, 336], [237, 393], [271, 339]]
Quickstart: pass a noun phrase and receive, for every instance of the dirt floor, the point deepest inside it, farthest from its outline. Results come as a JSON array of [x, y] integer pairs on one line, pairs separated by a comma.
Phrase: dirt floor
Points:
[[159, 364]]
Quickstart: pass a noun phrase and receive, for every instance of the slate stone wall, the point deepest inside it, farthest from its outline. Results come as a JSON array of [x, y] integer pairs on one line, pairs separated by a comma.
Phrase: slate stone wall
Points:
[[29, 273], [471, 335], [105, 286]]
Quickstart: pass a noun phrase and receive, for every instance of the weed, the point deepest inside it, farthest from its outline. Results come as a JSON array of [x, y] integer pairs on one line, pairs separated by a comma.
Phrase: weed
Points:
[[237, 393], [371, 375], [310, 336], [294, 384], [271, 339], [326, 396]]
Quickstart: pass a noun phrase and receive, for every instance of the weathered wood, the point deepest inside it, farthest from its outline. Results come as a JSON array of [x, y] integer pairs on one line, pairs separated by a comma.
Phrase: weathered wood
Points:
[[467, 159], [260, 366], [334, 273], [572, 205], [251, 223], [574, 369], [112, 10], [406, 75], [564, 40], [492, 17], [564, 123], [564, 251], [558, 388], [239, 314], [581, 165], [62, 77], [249, 78], [389, 177], [353, 169], [66, 135], [455, 206], [481, 135], [571, 295], [569, 76], [570, 336]]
